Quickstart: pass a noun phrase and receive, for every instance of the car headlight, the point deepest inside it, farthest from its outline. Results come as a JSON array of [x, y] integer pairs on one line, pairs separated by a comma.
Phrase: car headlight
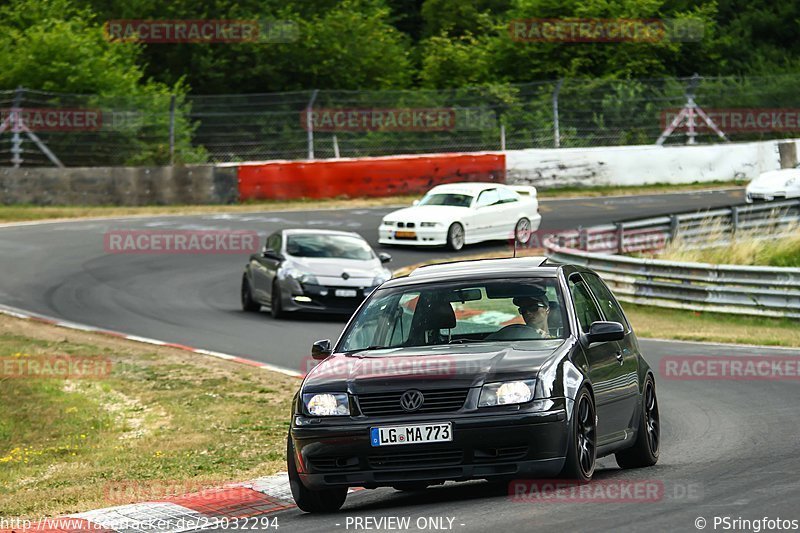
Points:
[[428, 224], [790, 182], [327, 404], [506, 393], [302, 277]]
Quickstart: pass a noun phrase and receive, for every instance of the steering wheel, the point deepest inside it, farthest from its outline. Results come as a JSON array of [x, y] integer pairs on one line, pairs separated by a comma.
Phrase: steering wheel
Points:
[[503, 332]]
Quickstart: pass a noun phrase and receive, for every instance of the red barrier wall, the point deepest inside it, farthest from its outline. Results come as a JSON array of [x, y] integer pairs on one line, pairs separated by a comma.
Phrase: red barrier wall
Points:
[[376, 176]]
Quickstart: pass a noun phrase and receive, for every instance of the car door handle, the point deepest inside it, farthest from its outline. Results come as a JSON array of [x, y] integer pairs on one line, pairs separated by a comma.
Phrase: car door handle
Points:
[[619, 357]]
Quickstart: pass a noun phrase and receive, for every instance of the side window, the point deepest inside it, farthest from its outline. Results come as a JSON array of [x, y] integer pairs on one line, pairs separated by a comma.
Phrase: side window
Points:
[[274, 242], [584, 305], [489, 197], [507, 197], [608, 303]]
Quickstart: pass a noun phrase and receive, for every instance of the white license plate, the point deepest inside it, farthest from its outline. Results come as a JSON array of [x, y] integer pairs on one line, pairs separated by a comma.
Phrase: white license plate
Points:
[[346, 293], [394, 435]]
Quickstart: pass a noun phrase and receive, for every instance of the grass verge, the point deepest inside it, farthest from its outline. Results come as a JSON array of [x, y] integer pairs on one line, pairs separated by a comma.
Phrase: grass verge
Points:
[[20, 213], [163, 420]]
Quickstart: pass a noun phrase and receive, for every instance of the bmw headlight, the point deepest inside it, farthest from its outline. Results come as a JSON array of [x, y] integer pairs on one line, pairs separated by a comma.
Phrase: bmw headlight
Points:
[[327, 404], [506, 393], [302, 277]]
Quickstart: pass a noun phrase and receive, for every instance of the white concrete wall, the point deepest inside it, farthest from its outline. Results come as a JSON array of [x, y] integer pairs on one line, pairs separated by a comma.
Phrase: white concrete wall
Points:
[[638, 165]]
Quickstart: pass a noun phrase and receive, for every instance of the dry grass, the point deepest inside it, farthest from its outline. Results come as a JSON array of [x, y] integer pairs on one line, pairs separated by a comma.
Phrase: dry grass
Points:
[[780, 248], [162, 417]]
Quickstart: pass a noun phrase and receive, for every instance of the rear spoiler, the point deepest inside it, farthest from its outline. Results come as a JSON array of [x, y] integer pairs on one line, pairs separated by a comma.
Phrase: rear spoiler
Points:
[[523, 190]]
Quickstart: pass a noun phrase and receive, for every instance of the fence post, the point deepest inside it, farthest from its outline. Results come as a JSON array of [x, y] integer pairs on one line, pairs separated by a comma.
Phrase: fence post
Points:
[[620, 238], [172, 130], [335, 147], [556, 132], [502, 137], [583, 239], [16, 120], [734, 220], [673, 227], [310, 124]]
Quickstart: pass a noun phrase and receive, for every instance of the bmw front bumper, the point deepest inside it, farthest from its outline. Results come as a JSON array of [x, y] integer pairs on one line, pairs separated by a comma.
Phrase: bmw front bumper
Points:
[[436, 236], [496, 445]]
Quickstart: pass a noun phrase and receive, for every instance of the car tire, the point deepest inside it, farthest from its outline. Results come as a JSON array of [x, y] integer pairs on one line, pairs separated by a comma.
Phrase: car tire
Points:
[[522, 231], [645, 450], [248, 302], [455, 236], [308, 500], [276, 303], [582, 451]]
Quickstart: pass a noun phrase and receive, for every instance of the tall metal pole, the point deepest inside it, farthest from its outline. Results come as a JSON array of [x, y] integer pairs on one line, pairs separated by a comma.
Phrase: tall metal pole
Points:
[[556, 132], [172, 130], [16, 122], [310, 124]]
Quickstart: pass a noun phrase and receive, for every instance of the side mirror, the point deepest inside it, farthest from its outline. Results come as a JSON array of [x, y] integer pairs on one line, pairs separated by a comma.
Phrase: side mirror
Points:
[[605, 331], [384, 257], [321, 349], [415, 202], [271, 254]]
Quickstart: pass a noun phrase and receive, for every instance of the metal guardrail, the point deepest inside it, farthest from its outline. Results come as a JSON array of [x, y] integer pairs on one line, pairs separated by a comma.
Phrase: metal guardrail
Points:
[[744, 290]]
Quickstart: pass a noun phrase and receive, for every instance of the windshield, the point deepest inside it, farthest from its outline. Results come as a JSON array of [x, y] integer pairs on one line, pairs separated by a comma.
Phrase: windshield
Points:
[[457, 200], [494, 311], [331, 246]]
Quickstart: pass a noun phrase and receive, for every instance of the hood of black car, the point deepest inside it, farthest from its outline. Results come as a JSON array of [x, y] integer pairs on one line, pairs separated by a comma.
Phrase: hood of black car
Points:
[[430, 367]]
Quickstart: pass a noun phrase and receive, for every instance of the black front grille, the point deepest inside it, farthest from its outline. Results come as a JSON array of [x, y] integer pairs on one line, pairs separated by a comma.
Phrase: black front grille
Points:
[[417, 459], [436, 401]]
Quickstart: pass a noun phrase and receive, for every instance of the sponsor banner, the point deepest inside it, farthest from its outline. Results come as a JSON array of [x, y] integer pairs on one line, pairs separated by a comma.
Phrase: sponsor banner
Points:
[[598, 30], [51, 119], [756, 368], [401, 119], [201, 31], [24, 366], [181, 242], [741, 120]]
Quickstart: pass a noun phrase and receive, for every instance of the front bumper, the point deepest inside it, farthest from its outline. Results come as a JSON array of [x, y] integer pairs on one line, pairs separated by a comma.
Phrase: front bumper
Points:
[[436, 236], [321, 299], [526, 443]]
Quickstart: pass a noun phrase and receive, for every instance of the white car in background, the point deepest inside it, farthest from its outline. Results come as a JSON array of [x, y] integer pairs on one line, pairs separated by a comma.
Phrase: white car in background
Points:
[[464, 213], [774, 185]]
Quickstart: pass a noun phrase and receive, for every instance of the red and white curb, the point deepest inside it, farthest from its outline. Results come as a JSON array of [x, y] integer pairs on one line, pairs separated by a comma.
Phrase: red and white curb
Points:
[[27, 315]]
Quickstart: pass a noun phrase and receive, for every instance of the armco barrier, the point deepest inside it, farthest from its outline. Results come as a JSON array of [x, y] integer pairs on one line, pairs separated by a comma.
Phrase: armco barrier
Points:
[[375, 176], [744, 290]]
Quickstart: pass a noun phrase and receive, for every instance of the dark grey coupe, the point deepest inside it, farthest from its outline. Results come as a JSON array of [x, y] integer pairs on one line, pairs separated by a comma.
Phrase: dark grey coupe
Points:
[[493, 369]]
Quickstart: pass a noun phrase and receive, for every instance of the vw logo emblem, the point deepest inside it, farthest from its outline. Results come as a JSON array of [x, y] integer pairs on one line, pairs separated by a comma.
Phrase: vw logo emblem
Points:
[[345, 275], [411, 400]]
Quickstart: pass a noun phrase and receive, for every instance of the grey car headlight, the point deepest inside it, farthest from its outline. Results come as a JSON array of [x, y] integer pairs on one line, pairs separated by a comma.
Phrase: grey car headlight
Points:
[[302, 277], [382, 277], [507, 393], [327, 404]]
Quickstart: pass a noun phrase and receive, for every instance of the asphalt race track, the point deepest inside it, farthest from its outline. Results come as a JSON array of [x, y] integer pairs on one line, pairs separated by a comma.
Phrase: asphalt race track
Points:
[[729, 448], [62, 271]]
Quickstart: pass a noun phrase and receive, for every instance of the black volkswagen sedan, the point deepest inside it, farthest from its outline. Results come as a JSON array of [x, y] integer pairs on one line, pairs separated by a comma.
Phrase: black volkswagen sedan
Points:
[[492, 369]]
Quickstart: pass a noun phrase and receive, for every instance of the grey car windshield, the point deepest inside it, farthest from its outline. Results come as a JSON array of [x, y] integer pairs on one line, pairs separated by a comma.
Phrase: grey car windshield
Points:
[[457, 200], [485, 311], [328, 246]]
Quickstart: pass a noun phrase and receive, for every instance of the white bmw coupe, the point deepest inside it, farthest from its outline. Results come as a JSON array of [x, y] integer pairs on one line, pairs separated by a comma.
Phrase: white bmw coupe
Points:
[[464, 213]]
